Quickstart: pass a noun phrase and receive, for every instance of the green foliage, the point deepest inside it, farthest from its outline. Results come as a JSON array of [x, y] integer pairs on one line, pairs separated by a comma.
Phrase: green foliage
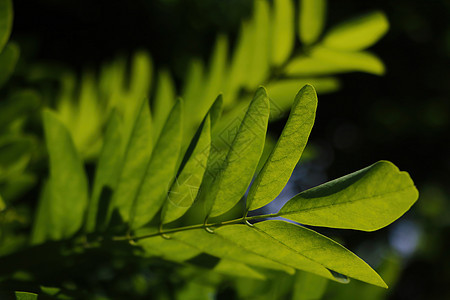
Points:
[[6, 19], [170, 175], [26, 296]]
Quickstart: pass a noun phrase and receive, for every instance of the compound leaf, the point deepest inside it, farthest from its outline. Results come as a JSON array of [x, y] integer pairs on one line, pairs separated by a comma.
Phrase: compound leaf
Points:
[[284, 157], [368, 200], [358, 33]]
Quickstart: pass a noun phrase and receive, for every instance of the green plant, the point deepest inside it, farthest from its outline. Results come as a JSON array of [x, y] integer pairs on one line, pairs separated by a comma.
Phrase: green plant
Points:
[[169, 189]]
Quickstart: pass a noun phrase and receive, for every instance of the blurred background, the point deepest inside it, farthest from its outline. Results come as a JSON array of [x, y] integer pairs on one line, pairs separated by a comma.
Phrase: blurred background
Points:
[[402, 116]]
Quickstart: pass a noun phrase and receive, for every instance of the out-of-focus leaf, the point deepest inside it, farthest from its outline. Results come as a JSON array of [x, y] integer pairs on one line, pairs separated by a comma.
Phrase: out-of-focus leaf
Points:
[[25, 296], [161, 170], [328, 62], [18, 105], [195, 291], [8, 60], [281, 91], [107, 173], [287, 152], [185, 187], [52, 291], [242, 159], [194, 83], [311, 20], [169, 249], [164, 100], [134, 164], [309, 286], [16, 186], [6, 20], [44, 225], [2, 204], [141, 75], [357, 34], [68, 186], [259, 60], [320, 249], [237, 269], [215, 79], [283, 31], [15, 154], [217, 245], [368, 200]]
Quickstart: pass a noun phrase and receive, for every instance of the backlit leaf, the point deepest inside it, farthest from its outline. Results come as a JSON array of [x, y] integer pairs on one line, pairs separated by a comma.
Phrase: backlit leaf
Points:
[[283, 31], [311, 20], [134, 164], [287, 152], [161, 170], [26, 296], [358, 33], [164, 100], [368, 200], [242, 159]]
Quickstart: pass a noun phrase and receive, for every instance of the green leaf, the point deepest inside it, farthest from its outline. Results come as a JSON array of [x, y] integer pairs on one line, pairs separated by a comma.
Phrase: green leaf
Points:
[[281, 91], [287, 152], [237, 269], [141, 75], [358, 33], [169, 249], [2, 204], [283, 31], [308, 286], [312, 20], [20, 104], [107, 172], [308, 245], [43, 224], [161, 170], [217, 245], [6, 21], [185, 187], [164, 100], [8, 59], [368, 200], [325, 61], [193, 87], [25, 296], [68, 183], [242, 159], [260, 56], [136, 156]]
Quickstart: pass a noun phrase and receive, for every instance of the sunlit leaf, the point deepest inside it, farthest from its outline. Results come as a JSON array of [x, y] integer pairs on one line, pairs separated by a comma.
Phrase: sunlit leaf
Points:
[[8, 60], [161, 170], [218, 246], [237, 269], [368, 200], [320, 249], [68, 187], [185, 187], [134, 163], [284, 157], [357, 34], [242, 159], [283, 31], [6, 20], [311, 20]]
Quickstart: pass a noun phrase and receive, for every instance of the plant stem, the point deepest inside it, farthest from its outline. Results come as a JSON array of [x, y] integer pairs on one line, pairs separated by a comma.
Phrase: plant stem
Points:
[[191, 227]]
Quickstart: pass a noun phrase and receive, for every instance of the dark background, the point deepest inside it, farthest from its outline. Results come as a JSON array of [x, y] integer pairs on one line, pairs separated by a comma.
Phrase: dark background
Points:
[[402, 116]]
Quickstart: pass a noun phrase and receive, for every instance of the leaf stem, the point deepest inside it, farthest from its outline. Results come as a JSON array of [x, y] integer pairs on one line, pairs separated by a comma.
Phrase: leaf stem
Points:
[[191, 227]]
